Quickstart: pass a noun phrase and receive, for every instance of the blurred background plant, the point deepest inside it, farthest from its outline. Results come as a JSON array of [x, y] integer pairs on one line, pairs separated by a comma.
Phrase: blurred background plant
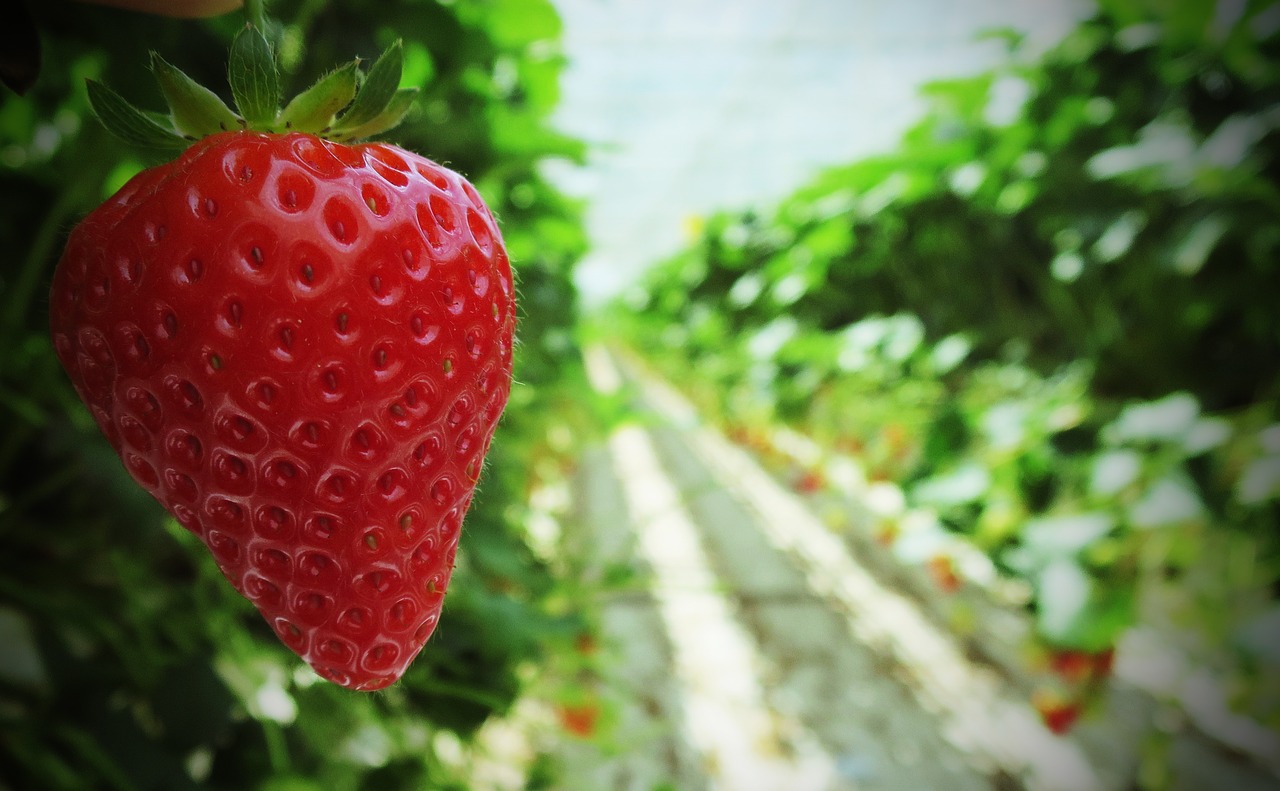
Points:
[[126, 661], [1043, 330], [1050, 321]]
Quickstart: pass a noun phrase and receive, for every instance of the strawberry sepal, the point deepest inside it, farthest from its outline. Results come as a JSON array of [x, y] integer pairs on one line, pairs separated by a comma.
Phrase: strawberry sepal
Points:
[[315, 108], [254, 78], [395, 111], [378, 90], [344, 105], [128, 122], [196, 111]]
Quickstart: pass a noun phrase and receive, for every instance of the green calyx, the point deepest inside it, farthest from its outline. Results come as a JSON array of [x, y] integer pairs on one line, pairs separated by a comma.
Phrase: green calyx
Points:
[[344, 105]]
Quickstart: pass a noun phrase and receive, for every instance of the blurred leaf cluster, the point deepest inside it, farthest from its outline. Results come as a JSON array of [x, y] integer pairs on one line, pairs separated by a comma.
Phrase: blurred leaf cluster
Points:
[[126, 661], [1049, 314]]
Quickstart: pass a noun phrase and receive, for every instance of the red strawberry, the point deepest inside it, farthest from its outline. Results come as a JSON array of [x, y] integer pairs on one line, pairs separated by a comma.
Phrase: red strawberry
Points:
[[580, 719], [301, 348], [1104, 662], [1058, 712], [942, 571], [1073, 666], [810, 481], [1079, 666]]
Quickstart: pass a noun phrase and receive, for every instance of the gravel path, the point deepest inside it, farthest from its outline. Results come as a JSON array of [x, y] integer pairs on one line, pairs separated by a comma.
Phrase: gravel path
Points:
[[748, 647], [728, 670]]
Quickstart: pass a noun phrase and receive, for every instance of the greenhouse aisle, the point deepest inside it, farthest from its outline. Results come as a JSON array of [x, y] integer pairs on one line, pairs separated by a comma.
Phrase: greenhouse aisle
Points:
[[761, 658]]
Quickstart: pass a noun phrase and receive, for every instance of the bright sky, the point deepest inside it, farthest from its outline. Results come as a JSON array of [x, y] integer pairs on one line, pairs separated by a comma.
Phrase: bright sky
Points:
[[693, 106]]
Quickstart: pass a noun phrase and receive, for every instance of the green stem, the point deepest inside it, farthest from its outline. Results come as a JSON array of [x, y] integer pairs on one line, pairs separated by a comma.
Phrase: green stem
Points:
[[256, 12], [463, 692], [277, 749]]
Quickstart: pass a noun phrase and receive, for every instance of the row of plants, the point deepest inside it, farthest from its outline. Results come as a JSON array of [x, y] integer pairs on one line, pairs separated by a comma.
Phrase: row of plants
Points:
[[1049, 321], [126, 660]]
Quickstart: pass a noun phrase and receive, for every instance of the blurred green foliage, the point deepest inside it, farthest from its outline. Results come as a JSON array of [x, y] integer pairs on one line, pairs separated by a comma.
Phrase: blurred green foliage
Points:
[[1050, 314], [126, 660]]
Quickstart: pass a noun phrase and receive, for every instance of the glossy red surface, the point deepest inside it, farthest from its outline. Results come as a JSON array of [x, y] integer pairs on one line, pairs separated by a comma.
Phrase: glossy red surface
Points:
[[302, 350]]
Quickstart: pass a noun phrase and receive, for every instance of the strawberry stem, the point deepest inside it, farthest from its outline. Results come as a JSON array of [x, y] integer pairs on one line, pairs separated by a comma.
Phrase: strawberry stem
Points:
[[255, 12]]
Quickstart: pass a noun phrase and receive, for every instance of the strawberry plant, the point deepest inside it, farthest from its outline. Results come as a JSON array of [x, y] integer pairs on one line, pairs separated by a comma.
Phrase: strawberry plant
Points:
[[1046, 323], [134, 662]]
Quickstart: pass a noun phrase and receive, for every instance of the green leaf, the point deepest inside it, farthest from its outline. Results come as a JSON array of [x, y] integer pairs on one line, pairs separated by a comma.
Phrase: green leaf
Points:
[[1076, 609], [161, 120], [197, 111], [255, 82], [515, 24], [128, 122], [1063, 593], [313, 109], [395, 111], [379, 89]]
